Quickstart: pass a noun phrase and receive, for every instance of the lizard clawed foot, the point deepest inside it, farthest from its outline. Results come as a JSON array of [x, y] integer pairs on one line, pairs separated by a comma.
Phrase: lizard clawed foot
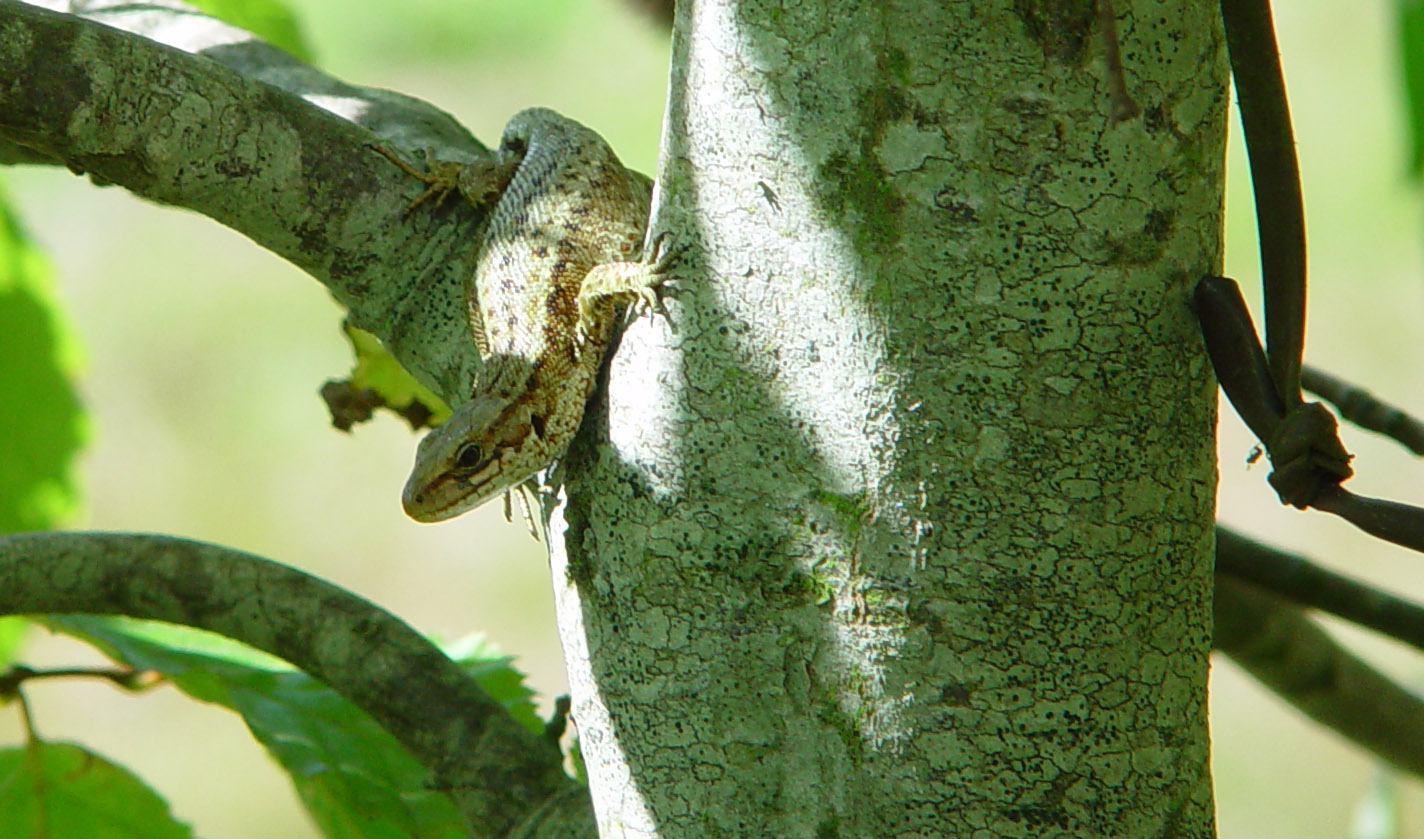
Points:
[[661, 254], [479, 181], [664, 252], [441, 177], [615, 283], [528, 493]]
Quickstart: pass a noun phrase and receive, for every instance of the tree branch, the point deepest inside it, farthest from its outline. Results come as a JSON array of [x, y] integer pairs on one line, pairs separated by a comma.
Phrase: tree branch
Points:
[[233, 128], [1278, 644], [1359, 406], [181, 109], [499, 774], [1301, 581]]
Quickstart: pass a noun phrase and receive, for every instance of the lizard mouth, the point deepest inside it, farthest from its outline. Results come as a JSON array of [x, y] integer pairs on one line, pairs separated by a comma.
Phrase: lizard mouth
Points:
[[446, 498]]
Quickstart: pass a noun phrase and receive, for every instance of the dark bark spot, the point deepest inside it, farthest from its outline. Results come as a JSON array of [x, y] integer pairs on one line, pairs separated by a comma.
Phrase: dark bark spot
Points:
[[1061, 27]]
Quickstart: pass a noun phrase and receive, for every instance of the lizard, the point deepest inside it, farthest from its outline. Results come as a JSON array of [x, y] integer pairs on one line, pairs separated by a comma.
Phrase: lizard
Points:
[[562, 249]]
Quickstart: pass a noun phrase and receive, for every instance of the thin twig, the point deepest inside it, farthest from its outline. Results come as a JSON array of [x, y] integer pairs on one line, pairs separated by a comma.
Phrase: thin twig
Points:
[[126, 678], [1364, 409], [1301, 581], [1279, 644]]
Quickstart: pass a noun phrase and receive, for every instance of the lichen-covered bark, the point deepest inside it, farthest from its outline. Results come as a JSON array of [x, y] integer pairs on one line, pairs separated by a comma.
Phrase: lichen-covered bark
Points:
[[900, 524], [182, 109], [498, 773]]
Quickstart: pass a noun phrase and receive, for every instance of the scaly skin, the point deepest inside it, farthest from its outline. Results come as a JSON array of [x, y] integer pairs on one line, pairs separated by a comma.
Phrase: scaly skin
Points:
[[560, 252]]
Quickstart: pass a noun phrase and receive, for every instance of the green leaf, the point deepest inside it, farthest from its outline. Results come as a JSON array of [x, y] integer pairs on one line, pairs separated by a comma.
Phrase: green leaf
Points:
[[42, 424], [63, 791], [378, 370], [269, 20], [13, 631], [1376, 814], [496, 673], [355, 779], [439, 30], [1411, 47]]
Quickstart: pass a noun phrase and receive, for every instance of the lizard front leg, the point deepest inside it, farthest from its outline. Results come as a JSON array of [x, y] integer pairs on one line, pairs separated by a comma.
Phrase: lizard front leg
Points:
[[528, 494], [614, 284], [479, 182], [542, 300]]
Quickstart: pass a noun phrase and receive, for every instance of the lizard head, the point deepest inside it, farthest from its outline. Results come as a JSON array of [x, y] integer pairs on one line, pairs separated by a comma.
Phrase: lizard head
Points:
[[488, 445]]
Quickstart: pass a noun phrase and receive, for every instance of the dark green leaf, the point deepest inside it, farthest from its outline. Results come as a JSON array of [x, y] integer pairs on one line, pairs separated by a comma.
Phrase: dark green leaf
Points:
[[63, 791], [498, 676], [355, 779], [1411, 46]]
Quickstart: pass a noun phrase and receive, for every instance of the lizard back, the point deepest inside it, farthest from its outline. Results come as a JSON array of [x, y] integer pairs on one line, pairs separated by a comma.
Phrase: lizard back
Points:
[[570, 206], [563, 245]]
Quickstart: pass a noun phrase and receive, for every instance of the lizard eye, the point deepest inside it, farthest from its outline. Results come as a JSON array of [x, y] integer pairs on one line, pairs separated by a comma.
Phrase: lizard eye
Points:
[[468, 457]]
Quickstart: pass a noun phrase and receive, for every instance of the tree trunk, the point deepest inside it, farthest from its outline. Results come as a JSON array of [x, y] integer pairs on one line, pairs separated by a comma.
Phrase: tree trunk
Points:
[[900, 523]]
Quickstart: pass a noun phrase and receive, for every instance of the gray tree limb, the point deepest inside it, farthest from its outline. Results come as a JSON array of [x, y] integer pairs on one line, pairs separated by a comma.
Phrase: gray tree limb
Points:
[[499, 774], [884, 531], [183, 110], [239, 131]]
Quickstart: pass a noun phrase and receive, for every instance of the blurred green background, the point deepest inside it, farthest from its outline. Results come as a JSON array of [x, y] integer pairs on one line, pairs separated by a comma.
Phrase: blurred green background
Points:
[[204, 354]]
